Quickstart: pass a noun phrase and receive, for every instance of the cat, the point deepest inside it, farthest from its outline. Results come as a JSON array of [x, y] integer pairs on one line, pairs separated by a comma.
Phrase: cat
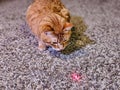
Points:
[[49, 20]]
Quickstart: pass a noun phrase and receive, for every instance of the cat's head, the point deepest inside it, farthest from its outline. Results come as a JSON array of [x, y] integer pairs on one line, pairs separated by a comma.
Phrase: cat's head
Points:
[[56, 34]]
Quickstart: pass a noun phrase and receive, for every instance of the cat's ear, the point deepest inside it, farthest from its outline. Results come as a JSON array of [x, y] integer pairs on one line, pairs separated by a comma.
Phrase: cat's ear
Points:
[[68, 26]]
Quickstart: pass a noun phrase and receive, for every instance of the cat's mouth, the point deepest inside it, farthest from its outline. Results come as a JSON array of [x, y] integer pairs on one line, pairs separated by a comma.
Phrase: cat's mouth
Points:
[[56, 49], [49, 48]]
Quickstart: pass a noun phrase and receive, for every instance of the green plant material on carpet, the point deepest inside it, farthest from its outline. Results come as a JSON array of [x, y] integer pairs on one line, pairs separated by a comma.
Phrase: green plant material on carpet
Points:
[[78, 38]]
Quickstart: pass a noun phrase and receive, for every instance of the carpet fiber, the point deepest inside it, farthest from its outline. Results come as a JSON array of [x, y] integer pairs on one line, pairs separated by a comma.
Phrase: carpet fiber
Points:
[[24, 67]]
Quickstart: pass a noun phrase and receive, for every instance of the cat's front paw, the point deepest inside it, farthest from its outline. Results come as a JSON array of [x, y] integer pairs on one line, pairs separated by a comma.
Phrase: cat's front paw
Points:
[[42, 47]]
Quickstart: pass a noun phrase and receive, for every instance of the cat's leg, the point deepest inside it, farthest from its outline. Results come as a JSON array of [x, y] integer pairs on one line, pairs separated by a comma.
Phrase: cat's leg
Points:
[[41, 46]]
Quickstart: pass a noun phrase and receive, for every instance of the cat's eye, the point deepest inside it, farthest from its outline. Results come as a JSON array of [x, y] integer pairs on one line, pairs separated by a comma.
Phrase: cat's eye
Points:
[[66, 31], [64, 40], [54, 42]]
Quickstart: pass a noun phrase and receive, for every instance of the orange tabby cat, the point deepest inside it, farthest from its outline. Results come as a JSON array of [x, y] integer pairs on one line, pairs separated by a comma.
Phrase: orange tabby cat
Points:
[[50, 22]]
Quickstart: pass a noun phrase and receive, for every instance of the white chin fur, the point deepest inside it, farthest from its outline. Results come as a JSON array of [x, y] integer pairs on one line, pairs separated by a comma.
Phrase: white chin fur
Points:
[[57, 49]]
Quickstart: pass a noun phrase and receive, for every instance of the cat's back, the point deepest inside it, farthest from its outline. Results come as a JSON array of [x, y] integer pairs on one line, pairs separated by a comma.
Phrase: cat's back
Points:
[[36, 11], [45, 5], [41, 8]]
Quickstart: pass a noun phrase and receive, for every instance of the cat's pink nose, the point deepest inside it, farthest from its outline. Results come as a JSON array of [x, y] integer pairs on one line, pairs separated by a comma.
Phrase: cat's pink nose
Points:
[[59, 49]]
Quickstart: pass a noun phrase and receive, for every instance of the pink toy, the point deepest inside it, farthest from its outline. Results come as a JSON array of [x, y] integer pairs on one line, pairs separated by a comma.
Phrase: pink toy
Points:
[[76, 76]]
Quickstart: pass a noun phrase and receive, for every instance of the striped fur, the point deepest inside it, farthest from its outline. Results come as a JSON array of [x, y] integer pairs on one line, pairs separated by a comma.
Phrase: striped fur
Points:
[[49, 20]]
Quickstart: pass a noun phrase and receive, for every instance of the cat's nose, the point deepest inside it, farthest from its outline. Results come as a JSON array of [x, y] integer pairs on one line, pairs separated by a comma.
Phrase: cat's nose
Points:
[[59, 49], [62, 48]]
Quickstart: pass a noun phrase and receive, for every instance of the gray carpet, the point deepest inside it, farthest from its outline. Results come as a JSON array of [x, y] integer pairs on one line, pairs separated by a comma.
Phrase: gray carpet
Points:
[[24, 67]]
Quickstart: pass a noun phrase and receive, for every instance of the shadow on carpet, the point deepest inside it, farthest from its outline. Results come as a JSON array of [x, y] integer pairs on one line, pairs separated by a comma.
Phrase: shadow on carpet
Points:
[[78, 38], [77, 41]]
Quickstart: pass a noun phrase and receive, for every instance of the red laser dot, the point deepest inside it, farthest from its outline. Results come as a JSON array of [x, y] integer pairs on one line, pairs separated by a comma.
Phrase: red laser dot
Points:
[[76, 77]]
